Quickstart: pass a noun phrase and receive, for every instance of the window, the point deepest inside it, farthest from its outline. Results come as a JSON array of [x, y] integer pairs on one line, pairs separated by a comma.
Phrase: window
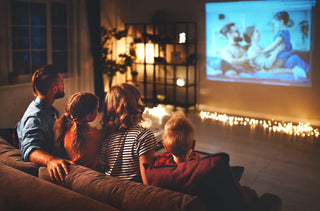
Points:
[[39, 35]]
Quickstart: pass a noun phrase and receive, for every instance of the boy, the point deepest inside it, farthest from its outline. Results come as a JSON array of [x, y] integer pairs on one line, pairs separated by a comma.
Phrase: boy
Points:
[[178, 140]]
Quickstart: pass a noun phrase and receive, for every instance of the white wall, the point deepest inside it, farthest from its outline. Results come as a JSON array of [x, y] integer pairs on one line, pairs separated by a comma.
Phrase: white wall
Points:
[[16, 98]]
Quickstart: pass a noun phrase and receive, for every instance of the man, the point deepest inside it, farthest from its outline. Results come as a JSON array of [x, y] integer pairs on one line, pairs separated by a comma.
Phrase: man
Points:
[[35, 129], [234, 53]]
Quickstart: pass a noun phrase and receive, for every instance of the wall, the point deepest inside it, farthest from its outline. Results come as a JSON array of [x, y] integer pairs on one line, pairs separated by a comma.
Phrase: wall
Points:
[[18, 97], [260, 101]]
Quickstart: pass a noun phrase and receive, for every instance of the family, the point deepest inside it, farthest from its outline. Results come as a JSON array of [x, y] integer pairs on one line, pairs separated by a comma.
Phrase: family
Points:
[[120, 148], [276, 58]]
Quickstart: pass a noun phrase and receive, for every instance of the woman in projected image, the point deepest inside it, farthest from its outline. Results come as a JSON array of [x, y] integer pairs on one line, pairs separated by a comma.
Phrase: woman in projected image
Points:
[[286, 61]]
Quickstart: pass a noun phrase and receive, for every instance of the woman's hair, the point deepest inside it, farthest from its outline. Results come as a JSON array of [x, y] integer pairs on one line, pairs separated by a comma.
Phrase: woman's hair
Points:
[[43, 79], [77, 108], [248, 33], [178, 134], [122, 108]]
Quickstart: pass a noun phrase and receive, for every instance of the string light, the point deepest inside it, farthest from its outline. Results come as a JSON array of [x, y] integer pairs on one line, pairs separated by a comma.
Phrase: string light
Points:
[[299, 129]]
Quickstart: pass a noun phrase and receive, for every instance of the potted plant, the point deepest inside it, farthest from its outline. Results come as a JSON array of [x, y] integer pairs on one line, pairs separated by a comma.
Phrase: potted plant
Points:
[[110, 65]]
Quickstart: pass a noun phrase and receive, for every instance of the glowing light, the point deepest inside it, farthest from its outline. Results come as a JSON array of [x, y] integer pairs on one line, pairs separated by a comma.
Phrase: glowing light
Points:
[[180, 82], [299, 129], [182, 37], [149, 49]]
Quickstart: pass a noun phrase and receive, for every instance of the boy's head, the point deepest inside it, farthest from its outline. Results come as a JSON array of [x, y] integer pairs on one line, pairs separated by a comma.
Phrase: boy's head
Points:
[[178, 137]]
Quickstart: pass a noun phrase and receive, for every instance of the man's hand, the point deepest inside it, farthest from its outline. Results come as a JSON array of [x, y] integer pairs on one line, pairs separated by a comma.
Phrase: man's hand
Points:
[[58, 168]]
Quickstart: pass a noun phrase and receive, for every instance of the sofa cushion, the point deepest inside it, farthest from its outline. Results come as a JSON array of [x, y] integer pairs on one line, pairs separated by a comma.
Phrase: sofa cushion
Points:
[[11, 156], [21, 191], [125, 194], [210, 178]]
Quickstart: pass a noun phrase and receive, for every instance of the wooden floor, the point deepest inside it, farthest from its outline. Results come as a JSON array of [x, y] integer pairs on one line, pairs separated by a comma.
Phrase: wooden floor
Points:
[[281, 164]]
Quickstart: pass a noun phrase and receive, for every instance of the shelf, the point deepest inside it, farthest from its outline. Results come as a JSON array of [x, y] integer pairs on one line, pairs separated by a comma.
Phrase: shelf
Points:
[[171, 60]]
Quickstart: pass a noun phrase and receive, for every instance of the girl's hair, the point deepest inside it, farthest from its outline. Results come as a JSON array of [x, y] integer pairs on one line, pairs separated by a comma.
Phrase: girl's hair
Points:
[[283, 15], [248, 33], [122, 108], [178, 134], [78, 106]]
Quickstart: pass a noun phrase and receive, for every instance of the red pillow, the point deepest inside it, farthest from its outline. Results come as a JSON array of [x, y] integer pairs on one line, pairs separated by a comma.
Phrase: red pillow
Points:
[[209, 178]]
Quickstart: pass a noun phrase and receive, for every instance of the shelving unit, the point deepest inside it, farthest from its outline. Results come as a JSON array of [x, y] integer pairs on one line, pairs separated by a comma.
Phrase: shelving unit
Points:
[[166, 62]]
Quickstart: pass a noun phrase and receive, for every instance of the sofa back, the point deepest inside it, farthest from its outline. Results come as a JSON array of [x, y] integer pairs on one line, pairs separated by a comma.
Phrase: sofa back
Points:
[[125, 194], [21, 191]]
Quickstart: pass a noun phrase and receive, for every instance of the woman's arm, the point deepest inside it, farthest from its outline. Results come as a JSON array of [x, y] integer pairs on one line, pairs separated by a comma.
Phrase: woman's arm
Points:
[[146, 158]]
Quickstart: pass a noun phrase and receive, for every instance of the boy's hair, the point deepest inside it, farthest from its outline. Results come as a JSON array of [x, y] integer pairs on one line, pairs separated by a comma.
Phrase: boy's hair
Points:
[[122, 109], [178, 134], [248, 33], [44, 79]]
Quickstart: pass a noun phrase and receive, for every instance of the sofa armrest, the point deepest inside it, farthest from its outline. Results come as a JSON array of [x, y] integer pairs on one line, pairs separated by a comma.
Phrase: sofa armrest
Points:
[[125, 194], [11, 156]]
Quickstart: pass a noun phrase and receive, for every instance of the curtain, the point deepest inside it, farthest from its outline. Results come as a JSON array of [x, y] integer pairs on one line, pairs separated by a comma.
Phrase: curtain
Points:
[[81, 71]]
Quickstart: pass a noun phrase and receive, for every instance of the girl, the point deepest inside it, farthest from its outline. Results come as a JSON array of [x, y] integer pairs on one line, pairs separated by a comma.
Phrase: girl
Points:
[[285, 58], [73, 132], [127, 145]]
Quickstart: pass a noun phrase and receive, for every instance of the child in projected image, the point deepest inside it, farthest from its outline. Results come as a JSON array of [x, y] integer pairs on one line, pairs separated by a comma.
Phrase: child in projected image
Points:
[[285, 58], [73, 131], [178, 140], [262, 61]]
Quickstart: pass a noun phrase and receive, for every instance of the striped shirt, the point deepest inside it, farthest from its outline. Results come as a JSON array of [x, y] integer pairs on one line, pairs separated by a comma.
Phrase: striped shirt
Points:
[[120, 152]]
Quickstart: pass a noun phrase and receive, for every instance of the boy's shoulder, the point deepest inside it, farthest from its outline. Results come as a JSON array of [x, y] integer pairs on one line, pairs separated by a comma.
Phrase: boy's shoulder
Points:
[[164, 159]]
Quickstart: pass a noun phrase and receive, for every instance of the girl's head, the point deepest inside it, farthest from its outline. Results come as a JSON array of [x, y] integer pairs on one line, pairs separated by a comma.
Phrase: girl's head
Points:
[[82, 107], [280, 19], [123, 107], [251, 34]]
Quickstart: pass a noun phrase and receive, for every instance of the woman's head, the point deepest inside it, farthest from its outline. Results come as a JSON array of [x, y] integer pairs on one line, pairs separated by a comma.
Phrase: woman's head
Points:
[[82, 107], [123, 107]]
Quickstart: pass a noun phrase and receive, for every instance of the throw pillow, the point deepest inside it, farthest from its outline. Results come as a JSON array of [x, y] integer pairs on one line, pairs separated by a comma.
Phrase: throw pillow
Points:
[[210, 178]]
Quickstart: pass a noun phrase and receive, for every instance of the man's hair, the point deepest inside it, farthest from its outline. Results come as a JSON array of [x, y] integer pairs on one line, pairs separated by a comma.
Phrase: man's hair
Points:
[[122, 109], [178, 134], [44, 79], [225, 29]]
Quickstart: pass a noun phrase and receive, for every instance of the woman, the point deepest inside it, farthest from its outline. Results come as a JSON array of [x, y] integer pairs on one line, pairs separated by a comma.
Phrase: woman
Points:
[[127, 145]]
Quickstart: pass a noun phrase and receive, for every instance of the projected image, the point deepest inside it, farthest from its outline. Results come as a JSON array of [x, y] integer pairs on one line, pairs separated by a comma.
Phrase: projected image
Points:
[[266, 42]]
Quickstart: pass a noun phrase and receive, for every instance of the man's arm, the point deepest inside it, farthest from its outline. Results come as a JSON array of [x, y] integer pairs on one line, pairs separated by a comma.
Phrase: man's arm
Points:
[[56, 167]]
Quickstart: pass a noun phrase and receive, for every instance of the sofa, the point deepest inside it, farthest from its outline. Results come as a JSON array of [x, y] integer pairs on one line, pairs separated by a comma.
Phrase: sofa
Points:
[[27, 186]]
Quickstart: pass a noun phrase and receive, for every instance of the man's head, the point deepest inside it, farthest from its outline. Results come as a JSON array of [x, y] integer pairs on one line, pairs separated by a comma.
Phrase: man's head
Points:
[[48, 79], [178, 137], [231, 32]]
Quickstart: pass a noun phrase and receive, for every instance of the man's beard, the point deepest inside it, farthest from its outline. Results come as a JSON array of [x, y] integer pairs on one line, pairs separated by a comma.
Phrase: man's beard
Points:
[[59, 94], [237, 39]]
